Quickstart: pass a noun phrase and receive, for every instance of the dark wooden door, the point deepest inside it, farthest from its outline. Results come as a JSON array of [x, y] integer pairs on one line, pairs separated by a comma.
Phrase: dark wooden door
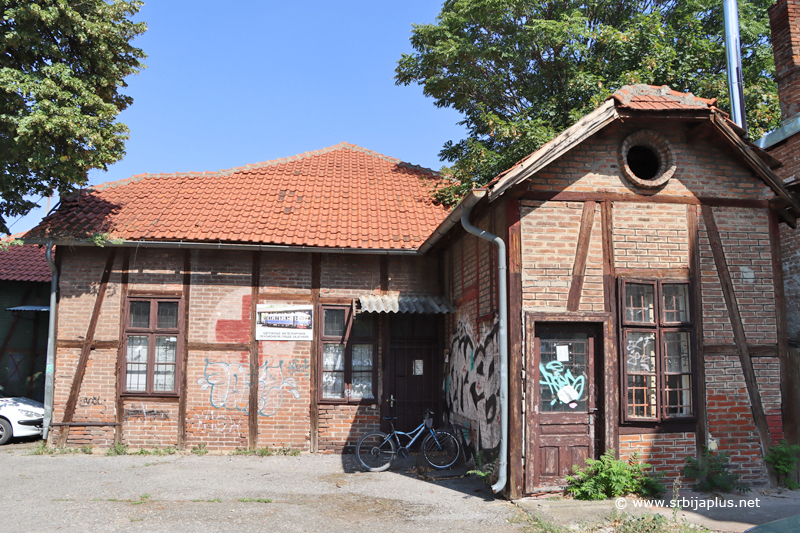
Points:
[[564, 396], [414, 370]]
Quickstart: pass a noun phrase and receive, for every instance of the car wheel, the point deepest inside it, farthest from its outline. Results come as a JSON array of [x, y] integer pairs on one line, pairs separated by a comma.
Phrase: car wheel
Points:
[[5, 431]]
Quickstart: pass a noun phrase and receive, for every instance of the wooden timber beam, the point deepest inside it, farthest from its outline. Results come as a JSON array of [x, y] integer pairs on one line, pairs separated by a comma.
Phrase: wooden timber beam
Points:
[[252, 421], [701, 432], [581, 254], [119, 410], [187, 293], [737, 325], [316, 260], [515, 350], [610, 365], [574, 196], [80, 370]]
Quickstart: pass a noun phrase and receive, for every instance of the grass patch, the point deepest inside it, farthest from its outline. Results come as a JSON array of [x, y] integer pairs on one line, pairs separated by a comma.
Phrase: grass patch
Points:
[[169, 450], [200, 449], [42, 448], [117, 449], [255, 500], [86, 449], [266, 451], [144, 498]]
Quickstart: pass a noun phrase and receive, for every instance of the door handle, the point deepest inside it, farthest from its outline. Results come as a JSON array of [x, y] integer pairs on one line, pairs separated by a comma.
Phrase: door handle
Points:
[[391, 400]]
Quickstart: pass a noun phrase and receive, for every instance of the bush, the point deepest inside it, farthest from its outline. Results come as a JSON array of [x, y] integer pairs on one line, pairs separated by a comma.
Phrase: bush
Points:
[[713, 472], [609, 478], [783, 458]]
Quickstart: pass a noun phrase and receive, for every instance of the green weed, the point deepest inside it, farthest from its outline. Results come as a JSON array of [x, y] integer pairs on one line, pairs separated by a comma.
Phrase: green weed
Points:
[[257, 500], [783, 458], [713, 471], [117, 449], [608, 477], [200, 449]]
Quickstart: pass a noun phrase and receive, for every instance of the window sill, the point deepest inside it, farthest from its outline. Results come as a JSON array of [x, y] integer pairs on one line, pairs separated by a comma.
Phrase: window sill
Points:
[[144, 395], [343, 402], [684, 425]]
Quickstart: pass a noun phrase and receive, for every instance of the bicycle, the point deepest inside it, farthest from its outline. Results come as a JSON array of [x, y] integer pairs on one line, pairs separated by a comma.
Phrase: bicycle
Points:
[[376, 450]]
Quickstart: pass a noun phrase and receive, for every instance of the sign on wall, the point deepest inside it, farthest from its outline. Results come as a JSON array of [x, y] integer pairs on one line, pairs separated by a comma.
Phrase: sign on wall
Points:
[[284, 322]]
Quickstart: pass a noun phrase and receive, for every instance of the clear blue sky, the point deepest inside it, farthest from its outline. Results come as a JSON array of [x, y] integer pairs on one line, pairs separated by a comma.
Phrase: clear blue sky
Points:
[[241, 82]]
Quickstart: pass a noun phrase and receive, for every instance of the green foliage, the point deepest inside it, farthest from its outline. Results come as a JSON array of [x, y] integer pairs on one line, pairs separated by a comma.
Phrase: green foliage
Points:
[[713, 472], [256, 500], [86, 449], [200, 449], [62, 65], [609, 478], [521, 71], [101, 239], [483, 470], [783, 458], [5, 245], [42, 448], [117, 449], [169, 450]]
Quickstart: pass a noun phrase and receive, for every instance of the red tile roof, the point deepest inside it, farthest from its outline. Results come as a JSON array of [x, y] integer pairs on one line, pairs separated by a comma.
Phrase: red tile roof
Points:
[[342, 196], [23, 263], [651, 97]]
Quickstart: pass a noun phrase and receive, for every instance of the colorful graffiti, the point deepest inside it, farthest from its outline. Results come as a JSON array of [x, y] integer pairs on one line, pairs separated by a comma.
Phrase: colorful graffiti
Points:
[[229, 386], [473, 380], [564, 387]]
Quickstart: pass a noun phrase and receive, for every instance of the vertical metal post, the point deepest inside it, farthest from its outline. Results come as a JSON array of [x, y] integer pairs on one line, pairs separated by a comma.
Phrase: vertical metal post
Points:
[[733, 50]]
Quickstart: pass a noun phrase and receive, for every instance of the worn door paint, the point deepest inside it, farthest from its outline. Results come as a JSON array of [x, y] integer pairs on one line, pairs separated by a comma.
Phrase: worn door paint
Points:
[[564, 413]]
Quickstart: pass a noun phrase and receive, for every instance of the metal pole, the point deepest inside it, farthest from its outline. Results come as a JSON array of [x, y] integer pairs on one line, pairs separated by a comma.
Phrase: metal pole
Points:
[[51, 344], [733, 51]]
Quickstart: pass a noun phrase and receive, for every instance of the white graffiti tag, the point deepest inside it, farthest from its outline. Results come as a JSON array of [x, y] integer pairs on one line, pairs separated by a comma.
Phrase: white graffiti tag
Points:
[[230, 386], [564, 386]]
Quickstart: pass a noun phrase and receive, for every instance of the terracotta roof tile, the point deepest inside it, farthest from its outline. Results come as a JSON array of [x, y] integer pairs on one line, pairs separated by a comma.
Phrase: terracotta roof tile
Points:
[[651, 97], [334, 197], [24, 263]]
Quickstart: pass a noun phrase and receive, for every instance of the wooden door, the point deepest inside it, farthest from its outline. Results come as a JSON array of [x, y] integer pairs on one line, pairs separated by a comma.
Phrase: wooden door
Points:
[[414, 370], [564, 396]]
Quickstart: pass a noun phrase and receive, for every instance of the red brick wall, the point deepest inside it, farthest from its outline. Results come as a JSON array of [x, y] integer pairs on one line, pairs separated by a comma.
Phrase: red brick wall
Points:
[[343, 425], [650, 235], [665, 452], [784, 19]]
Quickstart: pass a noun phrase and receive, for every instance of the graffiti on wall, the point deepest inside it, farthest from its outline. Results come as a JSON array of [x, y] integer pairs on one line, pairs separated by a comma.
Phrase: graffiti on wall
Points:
[[229, 386], [473, 379], [207, 422], [144, 414]]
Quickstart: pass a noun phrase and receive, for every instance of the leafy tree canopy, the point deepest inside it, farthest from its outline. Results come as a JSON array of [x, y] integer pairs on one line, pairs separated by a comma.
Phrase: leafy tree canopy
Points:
[[521, 71], [62, 64]]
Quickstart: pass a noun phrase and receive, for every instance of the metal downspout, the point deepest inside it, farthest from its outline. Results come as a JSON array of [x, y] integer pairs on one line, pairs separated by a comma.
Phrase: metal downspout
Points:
[[733, 51], [51, 344], [503, 296]]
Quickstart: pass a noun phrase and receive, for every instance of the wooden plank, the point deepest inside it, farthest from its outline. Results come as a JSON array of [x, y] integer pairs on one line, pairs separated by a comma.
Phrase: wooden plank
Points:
[[755, 350], [86, 424], [570, 196], [133, 293], [218, 347], [531, 443], [577, 316], [96, 345], [187, 294], [515, 350], [610, 359], [653, 429], [581, 254], [316, 269], [701, 434], [661, 273], [729, 293], [119, 410], [252, 420], [80, 370], [790, 393]]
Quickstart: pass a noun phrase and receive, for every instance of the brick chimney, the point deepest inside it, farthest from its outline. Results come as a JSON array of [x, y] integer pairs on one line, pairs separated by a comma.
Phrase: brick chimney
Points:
[[784, 19]]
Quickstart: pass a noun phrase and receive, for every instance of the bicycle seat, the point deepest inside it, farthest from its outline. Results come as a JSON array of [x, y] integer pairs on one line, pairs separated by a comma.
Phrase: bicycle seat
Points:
[[391, 417]]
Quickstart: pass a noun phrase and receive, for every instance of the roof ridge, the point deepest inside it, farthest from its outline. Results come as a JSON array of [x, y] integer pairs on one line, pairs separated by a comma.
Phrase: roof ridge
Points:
[[254, 166], [625, 94]]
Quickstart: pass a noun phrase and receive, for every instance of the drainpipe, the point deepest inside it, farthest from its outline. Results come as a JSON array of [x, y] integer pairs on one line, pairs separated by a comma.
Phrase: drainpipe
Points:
[[733, 51], [466, 209], [51, 344]]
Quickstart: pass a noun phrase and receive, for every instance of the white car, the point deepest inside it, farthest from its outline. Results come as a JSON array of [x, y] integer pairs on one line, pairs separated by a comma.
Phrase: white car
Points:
[[20, 417]]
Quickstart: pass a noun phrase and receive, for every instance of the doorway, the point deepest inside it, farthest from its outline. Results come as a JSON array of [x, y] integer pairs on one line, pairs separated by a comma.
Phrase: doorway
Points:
[[414, 370], [563, 421]]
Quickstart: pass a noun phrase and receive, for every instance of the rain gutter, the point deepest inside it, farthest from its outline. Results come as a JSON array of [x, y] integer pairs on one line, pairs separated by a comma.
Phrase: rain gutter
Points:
[[51, 343], [465, 208]]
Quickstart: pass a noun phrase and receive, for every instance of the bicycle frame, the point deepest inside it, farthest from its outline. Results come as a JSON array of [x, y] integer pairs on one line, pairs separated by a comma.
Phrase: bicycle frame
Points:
[[413, 435]]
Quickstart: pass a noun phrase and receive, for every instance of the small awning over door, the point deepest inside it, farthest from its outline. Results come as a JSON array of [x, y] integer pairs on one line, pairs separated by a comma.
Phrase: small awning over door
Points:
[[373, 303]]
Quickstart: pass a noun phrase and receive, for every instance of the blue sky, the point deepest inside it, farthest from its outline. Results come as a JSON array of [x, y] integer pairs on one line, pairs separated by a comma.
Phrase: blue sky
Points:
[[258, 80]]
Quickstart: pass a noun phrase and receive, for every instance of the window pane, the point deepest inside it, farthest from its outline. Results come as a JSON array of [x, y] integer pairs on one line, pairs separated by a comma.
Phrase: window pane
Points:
[[137, 348], [362, 386], [640, 351], [676, 302], [333, 385], [676, 352], [136, 375], [678, 396], [362, 325], [166, 349], [140, 314], [332, 356], [362, 357], [639, 301], [563, 380], [642, 396], [334, 323], [164, 378], [167, 315]]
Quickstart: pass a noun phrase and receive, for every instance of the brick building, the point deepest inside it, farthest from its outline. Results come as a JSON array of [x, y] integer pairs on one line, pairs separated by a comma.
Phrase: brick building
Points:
[[643, 299]]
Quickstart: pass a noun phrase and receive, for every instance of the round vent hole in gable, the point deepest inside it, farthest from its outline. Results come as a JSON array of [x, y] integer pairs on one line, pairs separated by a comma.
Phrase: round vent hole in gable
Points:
[[643, 162]]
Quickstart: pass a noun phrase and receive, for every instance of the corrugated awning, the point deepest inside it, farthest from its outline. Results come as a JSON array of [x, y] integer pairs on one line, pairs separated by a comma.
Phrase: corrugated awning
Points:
[[29, 308], [372, 303]]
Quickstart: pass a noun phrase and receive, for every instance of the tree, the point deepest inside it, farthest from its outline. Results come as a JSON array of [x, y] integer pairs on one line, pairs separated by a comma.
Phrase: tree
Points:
[[62, 64], [521, 71]]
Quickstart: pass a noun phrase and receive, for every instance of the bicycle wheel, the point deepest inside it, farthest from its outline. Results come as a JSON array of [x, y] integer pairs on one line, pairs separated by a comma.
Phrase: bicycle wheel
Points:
[[375, 451], [441, 450]]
